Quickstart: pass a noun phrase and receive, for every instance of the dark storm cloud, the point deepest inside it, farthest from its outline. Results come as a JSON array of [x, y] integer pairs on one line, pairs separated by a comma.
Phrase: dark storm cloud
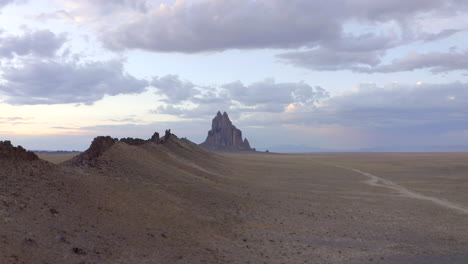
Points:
[[42, 43], [59, 82]]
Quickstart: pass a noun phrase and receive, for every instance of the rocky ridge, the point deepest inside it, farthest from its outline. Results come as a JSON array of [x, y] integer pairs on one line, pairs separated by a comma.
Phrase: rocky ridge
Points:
[[101, 144], [11, 153]]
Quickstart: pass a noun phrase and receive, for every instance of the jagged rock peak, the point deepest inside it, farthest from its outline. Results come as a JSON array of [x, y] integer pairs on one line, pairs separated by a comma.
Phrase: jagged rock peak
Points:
[[155, 138], [167, 134], [224, 136], [98, 146], [9, 152], [246, 142]]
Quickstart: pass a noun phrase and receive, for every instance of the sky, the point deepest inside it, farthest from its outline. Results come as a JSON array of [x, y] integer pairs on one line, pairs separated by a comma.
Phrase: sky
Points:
[[336, 74]]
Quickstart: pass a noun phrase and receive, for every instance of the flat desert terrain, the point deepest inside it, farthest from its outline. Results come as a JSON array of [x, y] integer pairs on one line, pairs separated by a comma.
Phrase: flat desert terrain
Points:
[[56, 158], [176, 203]]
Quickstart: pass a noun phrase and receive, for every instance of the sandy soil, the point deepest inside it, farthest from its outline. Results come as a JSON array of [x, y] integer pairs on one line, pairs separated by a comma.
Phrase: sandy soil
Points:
[[56, 158], [175, 203]]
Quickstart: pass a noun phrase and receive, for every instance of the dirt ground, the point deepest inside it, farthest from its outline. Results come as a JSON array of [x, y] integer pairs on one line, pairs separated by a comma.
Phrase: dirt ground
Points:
[[176, 204], [56, 158]]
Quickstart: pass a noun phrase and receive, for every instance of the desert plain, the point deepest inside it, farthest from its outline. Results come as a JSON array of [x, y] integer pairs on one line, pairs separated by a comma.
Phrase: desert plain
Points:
[[177, 203]]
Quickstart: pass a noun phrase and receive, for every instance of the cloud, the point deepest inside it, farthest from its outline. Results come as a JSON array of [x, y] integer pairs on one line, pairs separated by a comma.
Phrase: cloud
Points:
[[43, 43], [426, 107], [173, 88], [59, 82], [370, 62], [436, 62], [5, 2], [14, 120], [110, 6], [58, 14], [235, 97], [329, 60], [442, 34], [210, 25], [329, 35]]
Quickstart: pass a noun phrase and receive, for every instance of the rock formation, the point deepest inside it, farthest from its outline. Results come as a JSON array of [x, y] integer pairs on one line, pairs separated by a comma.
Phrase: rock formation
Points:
[[99, 146], [133, 141], [155, 138], [103, 143], [8, 152], [224, 136], [167, 135]]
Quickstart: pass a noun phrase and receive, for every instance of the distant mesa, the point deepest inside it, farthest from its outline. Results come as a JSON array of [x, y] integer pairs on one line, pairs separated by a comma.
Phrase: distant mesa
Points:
[[224, 136], [11, 153]]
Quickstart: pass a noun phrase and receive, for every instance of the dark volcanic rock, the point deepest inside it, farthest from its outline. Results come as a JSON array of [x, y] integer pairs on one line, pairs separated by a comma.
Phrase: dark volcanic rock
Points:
[[224, 136], [98, 147], [167, 135], [8, 152], [155, 138], [133, 141]]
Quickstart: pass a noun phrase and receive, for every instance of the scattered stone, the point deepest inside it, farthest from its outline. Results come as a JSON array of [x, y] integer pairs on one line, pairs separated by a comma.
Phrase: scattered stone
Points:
[[30, 242], [53, 212], [79, 251]]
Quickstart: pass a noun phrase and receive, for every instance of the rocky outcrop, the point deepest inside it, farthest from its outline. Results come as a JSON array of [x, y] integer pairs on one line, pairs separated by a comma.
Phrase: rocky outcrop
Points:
[[155, 138], [10, 153], [133, 141], [103, 143], [98, 147], [224, 136], [167, 135]]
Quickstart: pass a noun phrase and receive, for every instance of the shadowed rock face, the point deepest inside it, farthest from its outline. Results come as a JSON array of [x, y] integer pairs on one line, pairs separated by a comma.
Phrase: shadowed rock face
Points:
[[133, 141], [102, 143], [155, 138], [8, 152], [224, 136], [97, 148]]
